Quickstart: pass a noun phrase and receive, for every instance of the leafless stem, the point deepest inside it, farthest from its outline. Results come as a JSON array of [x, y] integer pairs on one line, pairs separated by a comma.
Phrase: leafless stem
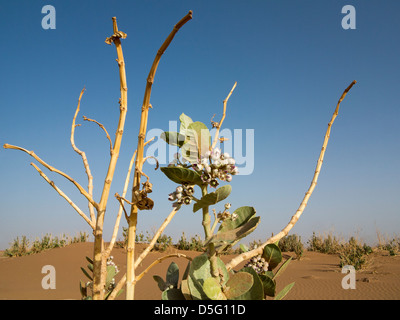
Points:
[[62, 194], [249, 254], [33, 155], [159, 260], [104, 129], [121, 207], [99, 259], [219, 124], [84, 159], [130, 287]]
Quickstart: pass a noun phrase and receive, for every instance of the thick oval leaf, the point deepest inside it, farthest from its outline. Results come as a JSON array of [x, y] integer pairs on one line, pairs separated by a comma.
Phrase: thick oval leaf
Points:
[[111, 273], [160, 282], [173, 138], [213, 197], [198, 132], [189, 151], [233, 236], [185, 122], [272, 254], [185, 290], [199, 271], [213, 290], [173, 274], [244, 214], [172, 294], [256, 292], [182, 175], [238, 284], [268, 284]]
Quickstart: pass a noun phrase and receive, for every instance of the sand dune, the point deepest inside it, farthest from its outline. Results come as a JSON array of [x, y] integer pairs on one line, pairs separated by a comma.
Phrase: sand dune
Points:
[[317, 276]]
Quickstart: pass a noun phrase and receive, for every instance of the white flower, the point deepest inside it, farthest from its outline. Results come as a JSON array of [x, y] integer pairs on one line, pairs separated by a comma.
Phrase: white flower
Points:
[[179, 189], [216, 154]]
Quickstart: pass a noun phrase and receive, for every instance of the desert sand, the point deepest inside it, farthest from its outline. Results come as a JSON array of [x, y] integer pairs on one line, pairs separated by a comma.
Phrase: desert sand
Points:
[[317, 276]]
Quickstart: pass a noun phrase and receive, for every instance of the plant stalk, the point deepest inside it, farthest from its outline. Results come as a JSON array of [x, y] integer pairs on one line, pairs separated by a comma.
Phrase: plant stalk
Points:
[[212, 254], [132, 221], [99, 259]]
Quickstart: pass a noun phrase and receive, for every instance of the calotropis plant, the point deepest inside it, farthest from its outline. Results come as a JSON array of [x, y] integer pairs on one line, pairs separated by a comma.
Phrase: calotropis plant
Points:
[[201, 164], [206, 277]]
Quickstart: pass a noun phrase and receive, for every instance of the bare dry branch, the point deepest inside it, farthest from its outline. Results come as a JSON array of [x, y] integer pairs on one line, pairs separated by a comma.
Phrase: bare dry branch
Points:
[[249, 254], [139, 159], [32, 154], [62, 194], [121, 208], [84, 158], [99, 259], [219, 124], [104, 129]]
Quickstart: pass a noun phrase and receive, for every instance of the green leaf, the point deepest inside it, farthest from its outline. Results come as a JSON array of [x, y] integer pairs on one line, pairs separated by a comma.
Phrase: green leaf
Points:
[[238, 284], [268, 284], [172, 294], [282, 268], [233, 236], [199, 271], [272, 254], [213, 197], [90, 267], [173, 138], [185, 290], [89, 260], [86, 274], [198, 132], [110, 274], [212, 289], [284, 291], [256, 292], [182, 175], [244, 214], [173, 274], [244, 248], [83, 289], [160, 282], [189, 151], [185, 122]]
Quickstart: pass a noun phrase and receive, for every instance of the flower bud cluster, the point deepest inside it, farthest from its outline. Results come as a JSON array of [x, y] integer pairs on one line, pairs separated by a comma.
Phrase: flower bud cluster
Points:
[[258, 264], [182, 195], [216, 165], [222, 216]]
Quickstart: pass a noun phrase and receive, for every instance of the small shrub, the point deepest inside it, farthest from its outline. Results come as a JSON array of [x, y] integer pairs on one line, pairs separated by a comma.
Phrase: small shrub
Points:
[[21, 248], [292, 243], [352, 253], [330, 244]]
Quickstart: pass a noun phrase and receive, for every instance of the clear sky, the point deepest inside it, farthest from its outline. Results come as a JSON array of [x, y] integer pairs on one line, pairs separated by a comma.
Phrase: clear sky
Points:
[[291, 60]]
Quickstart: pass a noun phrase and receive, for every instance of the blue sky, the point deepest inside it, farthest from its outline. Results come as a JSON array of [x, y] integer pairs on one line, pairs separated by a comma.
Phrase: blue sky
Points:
[[291, 60]]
